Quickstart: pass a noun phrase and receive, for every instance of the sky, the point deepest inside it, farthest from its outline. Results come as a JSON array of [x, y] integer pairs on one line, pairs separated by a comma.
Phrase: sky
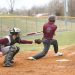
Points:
[[23, 3]]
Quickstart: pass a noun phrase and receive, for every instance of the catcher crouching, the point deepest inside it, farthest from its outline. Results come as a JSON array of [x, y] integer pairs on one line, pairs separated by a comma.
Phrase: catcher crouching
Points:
[[8, 47]]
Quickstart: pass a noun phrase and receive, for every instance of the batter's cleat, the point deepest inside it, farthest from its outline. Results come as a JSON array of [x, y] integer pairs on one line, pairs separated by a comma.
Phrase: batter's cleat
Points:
[[7, 65], [31, 58], [58, 54]]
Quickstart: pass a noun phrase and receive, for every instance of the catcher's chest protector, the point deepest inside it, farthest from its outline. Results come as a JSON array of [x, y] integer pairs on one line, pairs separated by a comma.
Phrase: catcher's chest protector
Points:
[[11, 40]]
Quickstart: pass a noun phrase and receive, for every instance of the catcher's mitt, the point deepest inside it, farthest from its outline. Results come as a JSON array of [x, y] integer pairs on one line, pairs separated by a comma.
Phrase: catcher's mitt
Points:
[[38, 41]]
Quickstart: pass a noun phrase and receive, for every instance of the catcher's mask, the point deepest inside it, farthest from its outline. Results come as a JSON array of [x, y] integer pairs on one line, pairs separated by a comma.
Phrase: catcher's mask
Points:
[[14, 31], [52, 18]]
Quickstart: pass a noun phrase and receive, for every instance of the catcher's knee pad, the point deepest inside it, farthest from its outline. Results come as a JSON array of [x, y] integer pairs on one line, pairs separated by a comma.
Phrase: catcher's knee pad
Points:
[[14, 49]]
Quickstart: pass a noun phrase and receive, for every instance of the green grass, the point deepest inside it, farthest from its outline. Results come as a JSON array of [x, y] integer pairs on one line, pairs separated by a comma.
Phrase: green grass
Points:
[[66, 38]]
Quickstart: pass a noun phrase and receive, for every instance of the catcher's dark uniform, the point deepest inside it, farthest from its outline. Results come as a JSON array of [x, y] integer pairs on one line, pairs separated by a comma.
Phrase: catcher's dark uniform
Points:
[[9, 49]]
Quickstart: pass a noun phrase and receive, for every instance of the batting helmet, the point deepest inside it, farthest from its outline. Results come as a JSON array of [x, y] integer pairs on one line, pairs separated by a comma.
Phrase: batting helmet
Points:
[[52, 18], [14, 31]]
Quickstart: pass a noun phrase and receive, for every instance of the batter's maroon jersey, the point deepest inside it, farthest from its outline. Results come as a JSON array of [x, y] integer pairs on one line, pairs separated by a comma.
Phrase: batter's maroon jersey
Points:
[[49, 30]]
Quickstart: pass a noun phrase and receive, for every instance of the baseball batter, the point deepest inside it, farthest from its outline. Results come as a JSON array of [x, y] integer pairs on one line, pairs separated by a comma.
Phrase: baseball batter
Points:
[[48, 32]]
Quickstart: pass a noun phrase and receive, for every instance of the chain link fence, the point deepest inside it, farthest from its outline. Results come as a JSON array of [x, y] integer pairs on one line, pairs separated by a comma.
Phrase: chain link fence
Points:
[[33, 24]]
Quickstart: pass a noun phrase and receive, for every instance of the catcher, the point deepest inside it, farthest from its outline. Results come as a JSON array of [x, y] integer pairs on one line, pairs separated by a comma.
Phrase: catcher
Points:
[[48, 32], [8, 48]]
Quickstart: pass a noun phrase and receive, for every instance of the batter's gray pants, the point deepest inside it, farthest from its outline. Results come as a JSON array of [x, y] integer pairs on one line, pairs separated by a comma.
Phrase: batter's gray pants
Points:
[[47, 44]]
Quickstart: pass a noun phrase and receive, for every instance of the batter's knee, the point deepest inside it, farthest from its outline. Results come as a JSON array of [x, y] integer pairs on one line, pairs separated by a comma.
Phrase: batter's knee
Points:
[[44, 53], [55, 41]]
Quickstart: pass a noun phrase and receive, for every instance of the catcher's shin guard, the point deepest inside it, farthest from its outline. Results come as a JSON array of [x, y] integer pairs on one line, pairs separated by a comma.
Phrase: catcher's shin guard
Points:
[[15, 52], [8, 57]]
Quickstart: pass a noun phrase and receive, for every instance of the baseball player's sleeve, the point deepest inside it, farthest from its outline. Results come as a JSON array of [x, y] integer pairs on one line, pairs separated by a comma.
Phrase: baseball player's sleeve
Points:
[[4, 41], [26, 42]]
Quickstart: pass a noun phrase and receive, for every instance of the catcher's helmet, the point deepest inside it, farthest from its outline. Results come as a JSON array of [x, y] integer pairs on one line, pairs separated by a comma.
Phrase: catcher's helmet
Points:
[[14, 31], [52, 18]]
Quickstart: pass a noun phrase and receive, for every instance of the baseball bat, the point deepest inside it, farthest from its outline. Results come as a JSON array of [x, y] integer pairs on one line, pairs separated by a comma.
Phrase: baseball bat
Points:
[[32, 33]]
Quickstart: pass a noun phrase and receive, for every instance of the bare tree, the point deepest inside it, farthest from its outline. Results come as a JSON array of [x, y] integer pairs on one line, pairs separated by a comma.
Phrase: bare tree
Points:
[[11, 5], [55, 7], [71, 7]]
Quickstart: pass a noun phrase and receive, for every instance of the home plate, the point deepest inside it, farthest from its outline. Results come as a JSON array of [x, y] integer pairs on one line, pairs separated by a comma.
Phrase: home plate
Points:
[[62, 60]]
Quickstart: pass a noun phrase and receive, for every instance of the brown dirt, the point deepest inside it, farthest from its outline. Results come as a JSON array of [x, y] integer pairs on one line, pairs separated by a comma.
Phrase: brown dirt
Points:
[[44, 66]]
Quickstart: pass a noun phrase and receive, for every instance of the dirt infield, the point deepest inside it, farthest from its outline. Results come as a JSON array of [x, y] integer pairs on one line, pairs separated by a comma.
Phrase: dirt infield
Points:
[[48, 65]]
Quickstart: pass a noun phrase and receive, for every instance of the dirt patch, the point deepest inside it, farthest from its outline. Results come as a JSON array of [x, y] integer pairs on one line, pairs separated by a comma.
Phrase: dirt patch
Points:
[[44, 66]]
